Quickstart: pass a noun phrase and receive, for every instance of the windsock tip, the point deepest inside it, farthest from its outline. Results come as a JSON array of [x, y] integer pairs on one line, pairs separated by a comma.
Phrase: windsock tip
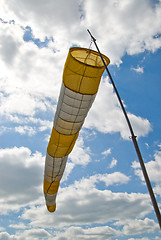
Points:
[[51, 208]]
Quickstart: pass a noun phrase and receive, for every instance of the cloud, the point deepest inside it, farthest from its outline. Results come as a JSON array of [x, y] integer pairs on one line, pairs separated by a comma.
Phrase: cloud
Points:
[[68, 169], [138, 226], [117, 35], [9, 49], [18, 226], [94, 233], [4, 129], [138, 69], [27, 124], [20, 103], [153, 168], [113, 163], [20, 169], [25, 130], [26, 82], [25, 171], [82, 203], [34, 234], [144, 238], [64, 21], [106, 152], [157, 189], [31, 73], [107, 117], [31, 81], [27, 234], [108, 179], [76, 204], [6, 236], [80, 154]]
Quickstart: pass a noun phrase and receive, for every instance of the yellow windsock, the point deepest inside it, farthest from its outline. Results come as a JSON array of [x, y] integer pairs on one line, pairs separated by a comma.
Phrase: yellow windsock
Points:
[[81, 77]]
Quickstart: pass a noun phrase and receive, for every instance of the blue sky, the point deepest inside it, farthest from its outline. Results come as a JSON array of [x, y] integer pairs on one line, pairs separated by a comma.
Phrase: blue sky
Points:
[[102, 193]]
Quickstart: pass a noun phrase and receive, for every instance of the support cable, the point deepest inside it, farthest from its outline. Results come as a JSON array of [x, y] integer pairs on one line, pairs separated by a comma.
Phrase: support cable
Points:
[[146, 177]]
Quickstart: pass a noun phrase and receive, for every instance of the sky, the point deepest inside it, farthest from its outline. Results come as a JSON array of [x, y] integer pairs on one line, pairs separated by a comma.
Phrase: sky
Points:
[[102, 194]]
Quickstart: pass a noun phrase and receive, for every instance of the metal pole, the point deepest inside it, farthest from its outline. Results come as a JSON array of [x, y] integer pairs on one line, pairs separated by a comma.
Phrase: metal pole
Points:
[[151, 193]]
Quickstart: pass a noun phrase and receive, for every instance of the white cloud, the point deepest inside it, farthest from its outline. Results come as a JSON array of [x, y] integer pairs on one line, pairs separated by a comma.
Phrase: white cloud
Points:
[[126, 29], [106, 152], [25, 81], [32, 78], [76, 232], [138, 226], [140, 125], [27, 234], [68, 169], [106, 116], [64, 19], [95, 233], [138, 69], [108, 179], [33, 234], [35, 75], [159, 146], [113, 163], [153, 168], [36, 233], [6, 236], [21, 103], [80, 154], [157, 189], [147, 145], [82, 203], [4, 129], [18, 226], [144, 238], [28, 125], [21, 177], [25, 130]]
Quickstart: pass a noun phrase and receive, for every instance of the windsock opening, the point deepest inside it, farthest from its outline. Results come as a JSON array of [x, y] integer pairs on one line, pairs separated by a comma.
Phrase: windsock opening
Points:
[[88, 56]]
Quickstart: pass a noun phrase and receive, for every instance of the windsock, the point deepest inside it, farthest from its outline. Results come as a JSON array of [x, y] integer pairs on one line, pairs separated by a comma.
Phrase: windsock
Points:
[[81, 77]]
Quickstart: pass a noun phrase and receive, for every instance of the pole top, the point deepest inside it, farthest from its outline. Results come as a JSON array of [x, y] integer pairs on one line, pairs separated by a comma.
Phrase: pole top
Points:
[[91, 35]]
